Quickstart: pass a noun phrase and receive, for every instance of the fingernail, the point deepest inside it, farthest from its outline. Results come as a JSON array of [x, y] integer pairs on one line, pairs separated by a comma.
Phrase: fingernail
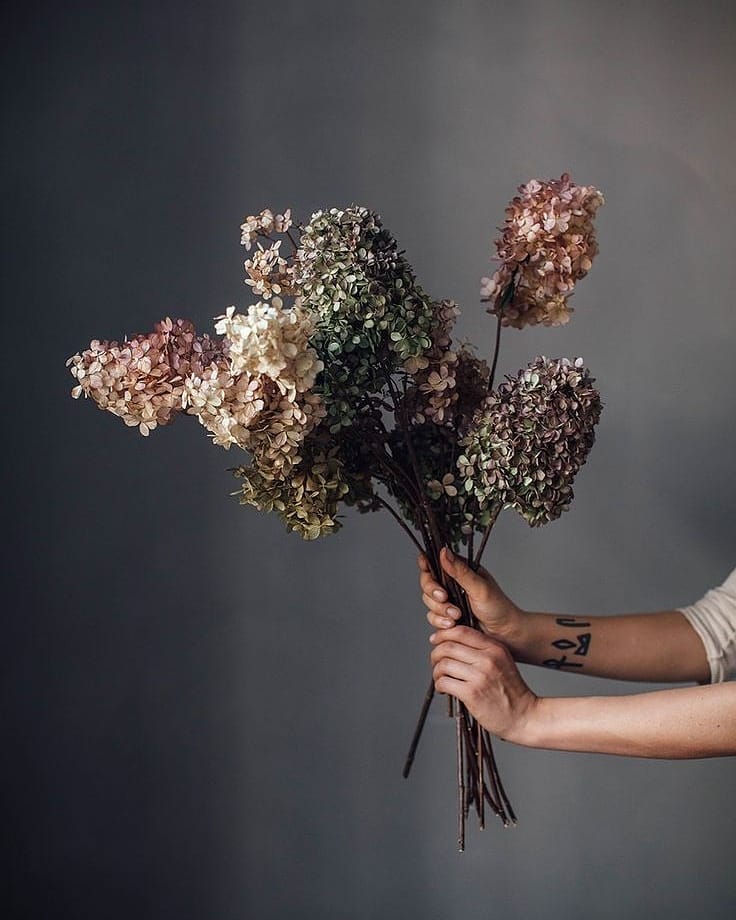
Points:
[[439, 594], [447, 623], [453, 612], [433, 637], [450, 554]]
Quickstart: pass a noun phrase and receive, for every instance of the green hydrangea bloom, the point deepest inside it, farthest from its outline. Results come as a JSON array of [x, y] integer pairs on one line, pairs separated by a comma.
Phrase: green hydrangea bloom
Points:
[[370, 314]]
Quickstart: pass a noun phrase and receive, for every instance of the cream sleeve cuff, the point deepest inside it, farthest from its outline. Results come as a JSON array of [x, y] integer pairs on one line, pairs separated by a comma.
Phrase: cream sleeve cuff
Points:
[[713, 618]]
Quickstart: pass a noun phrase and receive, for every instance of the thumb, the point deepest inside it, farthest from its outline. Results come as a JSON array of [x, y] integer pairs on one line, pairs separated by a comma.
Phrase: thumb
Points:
[[473, 583]]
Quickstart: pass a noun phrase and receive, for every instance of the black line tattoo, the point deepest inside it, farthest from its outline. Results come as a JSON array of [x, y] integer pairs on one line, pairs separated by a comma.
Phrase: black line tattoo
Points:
[[559, 663], [572, 621], [579, 646]]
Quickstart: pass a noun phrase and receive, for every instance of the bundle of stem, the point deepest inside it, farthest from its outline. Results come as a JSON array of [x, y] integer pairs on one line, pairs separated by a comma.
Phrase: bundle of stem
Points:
[[478, 779]]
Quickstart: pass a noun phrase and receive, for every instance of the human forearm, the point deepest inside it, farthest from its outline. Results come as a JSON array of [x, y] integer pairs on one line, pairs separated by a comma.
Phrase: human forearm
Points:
[[678, 723], [650, 646], [661, 647], [686, 722]]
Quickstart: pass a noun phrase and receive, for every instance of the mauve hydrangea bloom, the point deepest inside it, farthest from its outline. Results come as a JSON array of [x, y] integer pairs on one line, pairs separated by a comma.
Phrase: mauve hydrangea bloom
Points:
[[433, 391], [472, 376], [437, 391], [142, 380], [548, 245], [449, 385], [528, 440]]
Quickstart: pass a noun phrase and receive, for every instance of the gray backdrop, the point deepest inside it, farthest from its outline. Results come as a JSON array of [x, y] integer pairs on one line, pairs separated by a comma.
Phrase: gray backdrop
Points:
[[205, 717]]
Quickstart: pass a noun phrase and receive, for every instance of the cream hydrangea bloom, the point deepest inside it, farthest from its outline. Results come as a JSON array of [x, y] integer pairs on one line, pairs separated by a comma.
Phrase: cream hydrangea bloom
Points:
[[269, 274], [263, 224], [272, 341], [226, 405], [258, 398]]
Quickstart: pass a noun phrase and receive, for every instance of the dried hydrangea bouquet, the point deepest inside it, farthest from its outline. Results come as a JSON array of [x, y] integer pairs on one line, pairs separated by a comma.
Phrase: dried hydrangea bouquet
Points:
[[343, 386]]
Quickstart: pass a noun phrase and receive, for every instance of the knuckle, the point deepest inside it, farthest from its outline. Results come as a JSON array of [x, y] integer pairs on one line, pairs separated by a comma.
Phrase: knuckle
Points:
[[487, 669], [496, 652], [491, 652]]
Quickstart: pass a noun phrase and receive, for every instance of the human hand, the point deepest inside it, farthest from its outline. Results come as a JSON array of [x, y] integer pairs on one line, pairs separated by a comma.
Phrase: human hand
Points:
[[480, 672], [497, 614]]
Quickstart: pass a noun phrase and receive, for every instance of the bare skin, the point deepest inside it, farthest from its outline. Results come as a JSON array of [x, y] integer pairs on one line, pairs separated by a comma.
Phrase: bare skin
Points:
[[479, 668]]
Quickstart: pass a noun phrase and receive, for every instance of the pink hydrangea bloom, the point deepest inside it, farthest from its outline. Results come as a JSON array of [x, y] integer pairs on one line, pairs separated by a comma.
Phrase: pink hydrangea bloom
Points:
[[548, 245], [142, 379]]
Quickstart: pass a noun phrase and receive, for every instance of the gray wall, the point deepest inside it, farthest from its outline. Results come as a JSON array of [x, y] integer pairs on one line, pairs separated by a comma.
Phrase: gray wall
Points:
[[205, 717]]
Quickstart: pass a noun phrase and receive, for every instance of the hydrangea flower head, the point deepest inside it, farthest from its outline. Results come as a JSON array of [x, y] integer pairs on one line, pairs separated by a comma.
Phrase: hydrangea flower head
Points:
[[142, 380], [272, 341], [548, 244], [527, 441], [370, 314]]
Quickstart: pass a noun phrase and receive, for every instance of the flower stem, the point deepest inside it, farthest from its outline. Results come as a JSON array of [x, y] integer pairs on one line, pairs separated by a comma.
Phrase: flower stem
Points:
[[460, 779], [392, 511], [428, 697], [492, 378], [486, 535]]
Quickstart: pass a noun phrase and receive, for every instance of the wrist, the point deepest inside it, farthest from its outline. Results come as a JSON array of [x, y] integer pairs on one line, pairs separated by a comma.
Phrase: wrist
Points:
[[531, 726], [515, 633], [527, 728]]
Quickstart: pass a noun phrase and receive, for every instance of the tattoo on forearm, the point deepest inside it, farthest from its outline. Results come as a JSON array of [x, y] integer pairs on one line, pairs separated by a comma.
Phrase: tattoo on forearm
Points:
[[579, 646]]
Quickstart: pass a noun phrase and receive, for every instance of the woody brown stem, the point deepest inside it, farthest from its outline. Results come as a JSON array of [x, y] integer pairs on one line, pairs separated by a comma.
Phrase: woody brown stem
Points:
[[486, 535], [392, 511], [428, 697], [460, 782], [477, 776], [481, 778]]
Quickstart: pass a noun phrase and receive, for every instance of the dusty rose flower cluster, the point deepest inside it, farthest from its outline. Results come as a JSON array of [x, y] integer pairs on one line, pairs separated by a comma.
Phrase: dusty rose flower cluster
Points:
[[250, 388], [449, 381], [143, 379], [548, 245], [529, 439]]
